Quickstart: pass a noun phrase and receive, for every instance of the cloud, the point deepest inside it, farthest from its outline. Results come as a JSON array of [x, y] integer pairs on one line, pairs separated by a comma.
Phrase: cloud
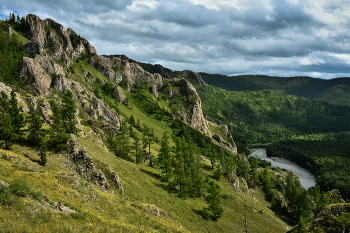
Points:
[[274, 37]]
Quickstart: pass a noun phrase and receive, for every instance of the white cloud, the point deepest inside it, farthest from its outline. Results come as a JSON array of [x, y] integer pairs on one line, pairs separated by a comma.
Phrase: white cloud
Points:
[[275, 37], [307, 61]]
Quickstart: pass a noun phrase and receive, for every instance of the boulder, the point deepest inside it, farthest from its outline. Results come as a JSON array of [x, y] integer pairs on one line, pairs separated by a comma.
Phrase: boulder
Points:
[[3, 184], [115, 179]]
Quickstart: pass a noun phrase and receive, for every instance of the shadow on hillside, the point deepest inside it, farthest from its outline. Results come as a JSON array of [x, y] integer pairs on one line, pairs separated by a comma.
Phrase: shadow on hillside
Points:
[[152, 174]]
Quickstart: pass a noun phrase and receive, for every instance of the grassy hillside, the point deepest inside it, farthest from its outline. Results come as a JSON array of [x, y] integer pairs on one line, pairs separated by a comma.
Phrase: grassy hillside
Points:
[[335, 91]]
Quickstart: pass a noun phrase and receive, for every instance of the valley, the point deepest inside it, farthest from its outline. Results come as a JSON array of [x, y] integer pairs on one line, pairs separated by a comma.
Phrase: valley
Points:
[[97, 143]]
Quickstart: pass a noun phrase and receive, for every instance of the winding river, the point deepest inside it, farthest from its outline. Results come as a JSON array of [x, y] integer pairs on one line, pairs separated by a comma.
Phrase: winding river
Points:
[[306, 178]]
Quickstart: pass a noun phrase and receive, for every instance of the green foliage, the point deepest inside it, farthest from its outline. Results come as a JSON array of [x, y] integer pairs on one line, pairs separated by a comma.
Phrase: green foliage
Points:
[[20, 188], [58, 134], [213, 201], [35, 125], [267, 115], [11, 55], [333, 91], [328, 159], [7, 129], [17, 119], [75, 40], [120, 144], [164, 160], [68, 113], [17, 23]]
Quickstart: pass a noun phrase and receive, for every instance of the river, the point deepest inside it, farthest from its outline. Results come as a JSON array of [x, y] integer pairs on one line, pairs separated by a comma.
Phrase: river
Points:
[[306, 178]]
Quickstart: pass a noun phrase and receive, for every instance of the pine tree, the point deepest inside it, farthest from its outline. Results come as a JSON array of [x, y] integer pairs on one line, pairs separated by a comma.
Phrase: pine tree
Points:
[[17, 118], [7, 131], [213, 201]]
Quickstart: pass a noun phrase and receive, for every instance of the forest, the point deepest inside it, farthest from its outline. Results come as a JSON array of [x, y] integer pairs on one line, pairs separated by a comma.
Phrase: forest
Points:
[[329, 160]]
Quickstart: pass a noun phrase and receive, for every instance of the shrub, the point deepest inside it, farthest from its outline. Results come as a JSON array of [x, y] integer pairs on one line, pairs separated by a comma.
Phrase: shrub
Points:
[[20, 188]]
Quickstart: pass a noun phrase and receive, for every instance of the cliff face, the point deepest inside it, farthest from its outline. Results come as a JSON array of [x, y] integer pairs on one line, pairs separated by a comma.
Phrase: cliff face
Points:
[[57, 52]]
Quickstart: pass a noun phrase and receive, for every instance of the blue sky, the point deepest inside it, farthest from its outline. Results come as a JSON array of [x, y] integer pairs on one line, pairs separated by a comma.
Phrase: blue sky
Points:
[[275, 37]]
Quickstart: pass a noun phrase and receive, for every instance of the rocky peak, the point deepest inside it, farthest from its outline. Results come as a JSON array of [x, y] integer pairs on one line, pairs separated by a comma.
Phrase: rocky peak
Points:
[[193, 76]]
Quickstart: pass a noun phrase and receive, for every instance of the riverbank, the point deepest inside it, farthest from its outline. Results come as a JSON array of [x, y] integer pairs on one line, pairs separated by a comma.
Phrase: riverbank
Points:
[[306, 178], [284, 161]]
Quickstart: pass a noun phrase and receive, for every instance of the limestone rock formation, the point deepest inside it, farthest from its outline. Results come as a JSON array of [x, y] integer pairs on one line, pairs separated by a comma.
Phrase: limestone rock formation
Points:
[[5, 89], [32, 71], [115, 179], [119, 95], [197, 120], [49, 65], [61, 84], [100, 109], [194, 76]]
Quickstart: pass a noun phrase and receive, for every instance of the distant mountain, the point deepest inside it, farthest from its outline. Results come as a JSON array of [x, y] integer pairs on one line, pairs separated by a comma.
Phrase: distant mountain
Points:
[[334, 91]]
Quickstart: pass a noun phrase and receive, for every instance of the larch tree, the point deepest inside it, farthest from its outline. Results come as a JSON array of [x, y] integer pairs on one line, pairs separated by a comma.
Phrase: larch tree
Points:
[[7, 131]]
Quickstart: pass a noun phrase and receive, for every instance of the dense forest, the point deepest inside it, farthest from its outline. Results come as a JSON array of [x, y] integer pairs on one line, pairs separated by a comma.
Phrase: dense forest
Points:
[[268, 115], [329, 159], [334, 91]]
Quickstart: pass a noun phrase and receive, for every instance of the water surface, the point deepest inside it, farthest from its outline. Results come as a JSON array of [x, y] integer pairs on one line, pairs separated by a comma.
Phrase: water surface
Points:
[[306, 178]]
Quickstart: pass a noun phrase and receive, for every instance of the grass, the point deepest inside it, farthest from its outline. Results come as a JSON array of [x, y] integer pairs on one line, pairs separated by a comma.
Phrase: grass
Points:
[[141, 185], [82, 65]]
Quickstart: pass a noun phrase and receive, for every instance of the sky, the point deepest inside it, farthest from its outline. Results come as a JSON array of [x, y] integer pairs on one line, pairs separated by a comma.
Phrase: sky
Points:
[[230, 37]]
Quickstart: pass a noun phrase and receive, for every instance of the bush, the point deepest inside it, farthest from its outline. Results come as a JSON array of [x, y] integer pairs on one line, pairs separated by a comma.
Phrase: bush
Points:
[[20, 188]]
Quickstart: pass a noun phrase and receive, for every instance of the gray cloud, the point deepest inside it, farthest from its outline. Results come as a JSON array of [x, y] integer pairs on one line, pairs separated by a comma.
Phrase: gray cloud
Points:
[[277, 37]]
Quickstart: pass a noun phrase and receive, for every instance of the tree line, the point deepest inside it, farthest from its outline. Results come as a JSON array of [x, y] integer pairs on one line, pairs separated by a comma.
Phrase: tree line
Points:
[[14, 126]]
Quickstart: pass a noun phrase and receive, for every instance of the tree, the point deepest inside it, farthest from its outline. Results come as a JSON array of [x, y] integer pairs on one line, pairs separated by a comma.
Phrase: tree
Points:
[[138, 149], [58, 133], [148, 140], [165, 159], [7, 131], [42, 153], [120, 144], [132, 120], [35, 126], [17, 118], [213, 201], [68, 113]]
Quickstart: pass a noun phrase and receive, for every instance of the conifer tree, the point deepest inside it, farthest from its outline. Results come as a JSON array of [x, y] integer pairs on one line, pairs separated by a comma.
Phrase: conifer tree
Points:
[[165, 159], [7, 131], [138, 149], [120, 144], [43, 149], [147, 141], [17, 118], [213, 201], [68, 113], [35, 125], [57, 130]]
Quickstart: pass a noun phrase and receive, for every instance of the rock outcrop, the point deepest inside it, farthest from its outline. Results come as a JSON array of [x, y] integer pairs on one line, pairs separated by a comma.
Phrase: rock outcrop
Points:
[[119, 95], [85, 165], [189, 74], [32, 72], [197, 120]]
